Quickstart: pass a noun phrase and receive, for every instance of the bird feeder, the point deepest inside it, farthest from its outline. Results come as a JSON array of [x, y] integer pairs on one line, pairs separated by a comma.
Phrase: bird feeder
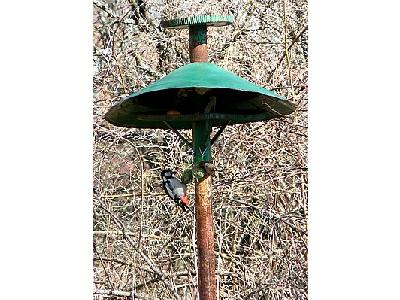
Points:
[[199, 96]]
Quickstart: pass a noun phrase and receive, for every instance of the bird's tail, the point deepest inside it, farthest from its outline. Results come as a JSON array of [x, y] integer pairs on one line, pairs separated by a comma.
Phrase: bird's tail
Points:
[[185, 200]]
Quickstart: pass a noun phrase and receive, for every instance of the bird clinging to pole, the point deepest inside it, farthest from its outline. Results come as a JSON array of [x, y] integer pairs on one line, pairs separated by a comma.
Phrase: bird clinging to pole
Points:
[[174, 188]]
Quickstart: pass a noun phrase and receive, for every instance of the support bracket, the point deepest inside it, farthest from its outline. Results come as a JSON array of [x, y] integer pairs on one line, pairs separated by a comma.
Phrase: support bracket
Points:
[[220, 130], [190, 144]]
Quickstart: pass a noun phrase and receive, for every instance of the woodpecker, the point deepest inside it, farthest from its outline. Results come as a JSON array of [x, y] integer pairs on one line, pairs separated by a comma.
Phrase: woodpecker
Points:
[[175, 189]]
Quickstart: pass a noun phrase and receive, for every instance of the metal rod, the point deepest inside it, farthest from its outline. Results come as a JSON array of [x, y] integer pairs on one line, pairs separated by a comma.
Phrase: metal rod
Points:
[[215, 137], [178, 134]]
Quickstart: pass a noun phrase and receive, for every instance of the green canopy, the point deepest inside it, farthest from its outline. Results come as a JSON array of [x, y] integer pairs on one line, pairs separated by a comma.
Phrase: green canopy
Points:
[[198, 91]]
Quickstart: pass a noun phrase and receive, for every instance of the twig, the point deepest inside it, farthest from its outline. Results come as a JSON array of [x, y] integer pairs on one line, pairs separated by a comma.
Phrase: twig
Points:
[[288, 49], [116, 293], [119, 232], [141, 203], [127, 195], [149, 262], [287, 53], [104, 8], [112, 260]]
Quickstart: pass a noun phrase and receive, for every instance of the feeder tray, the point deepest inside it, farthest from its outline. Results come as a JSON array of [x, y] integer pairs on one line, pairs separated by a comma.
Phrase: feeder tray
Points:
[[195, 92]]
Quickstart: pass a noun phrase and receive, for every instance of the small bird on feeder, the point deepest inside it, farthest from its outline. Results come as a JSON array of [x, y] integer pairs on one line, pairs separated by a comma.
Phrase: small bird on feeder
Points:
[[175, 189]]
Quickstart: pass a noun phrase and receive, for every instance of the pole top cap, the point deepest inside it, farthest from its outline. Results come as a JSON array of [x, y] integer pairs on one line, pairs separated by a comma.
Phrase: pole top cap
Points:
[[208, 20]]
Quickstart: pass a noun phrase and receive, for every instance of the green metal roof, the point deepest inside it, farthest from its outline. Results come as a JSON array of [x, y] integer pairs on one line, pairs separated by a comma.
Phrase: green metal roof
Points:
[[182, 96]]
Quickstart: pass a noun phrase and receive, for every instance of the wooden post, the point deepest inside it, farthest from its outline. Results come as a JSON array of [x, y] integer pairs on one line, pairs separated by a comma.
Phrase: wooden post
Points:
[[205, 241]]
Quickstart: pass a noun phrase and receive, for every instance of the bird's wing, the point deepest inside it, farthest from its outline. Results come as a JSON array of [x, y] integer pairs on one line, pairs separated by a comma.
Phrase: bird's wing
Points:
[[179, 187], [168, 189], [179, 191]]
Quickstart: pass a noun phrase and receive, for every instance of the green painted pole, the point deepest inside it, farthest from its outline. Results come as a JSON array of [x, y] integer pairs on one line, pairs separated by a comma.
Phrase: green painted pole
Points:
[[201, 141]]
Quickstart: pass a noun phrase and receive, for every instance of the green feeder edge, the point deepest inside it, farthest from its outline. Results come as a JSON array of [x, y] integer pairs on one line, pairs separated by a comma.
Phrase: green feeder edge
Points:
[[198, 92], [208, 20]]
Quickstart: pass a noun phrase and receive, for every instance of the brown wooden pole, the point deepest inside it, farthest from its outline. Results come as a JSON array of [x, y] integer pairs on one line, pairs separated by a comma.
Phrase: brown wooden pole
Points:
[[205, 241]]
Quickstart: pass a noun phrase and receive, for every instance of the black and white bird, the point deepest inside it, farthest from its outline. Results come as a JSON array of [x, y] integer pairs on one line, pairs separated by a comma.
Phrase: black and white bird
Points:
[[175, 189]]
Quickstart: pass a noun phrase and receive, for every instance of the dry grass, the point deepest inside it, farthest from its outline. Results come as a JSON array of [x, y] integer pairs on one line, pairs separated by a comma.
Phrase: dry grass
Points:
[[143, 244]]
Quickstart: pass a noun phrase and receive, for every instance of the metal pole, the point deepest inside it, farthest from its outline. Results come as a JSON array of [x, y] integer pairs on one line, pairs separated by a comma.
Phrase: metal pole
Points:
[[205, 241], [204, 220], [202, 152], [198, 50]]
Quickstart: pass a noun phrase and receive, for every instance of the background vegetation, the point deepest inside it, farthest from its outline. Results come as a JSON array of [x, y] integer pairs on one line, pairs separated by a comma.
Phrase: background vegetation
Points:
[[144, 246]]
